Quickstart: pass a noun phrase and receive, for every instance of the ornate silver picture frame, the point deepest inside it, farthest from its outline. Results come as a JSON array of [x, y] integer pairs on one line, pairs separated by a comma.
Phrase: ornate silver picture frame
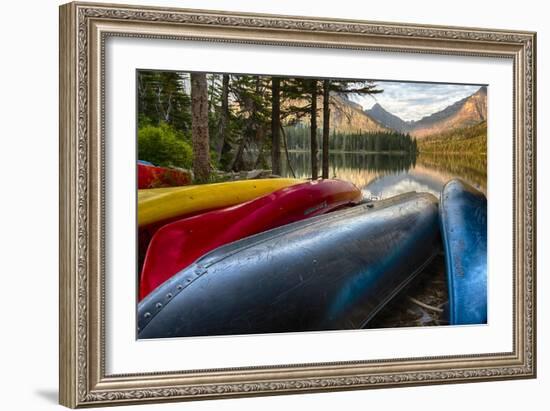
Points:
[[84, 30]]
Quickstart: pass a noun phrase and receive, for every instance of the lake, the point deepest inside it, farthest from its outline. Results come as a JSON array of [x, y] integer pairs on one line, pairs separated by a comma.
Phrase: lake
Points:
[[380, 176], [385, 175]]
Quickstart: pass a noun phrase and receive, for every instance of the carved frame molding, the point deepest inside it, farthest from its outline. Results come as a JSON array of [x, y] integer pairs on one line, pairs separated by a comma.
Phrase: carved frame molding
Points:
[[84, 27]]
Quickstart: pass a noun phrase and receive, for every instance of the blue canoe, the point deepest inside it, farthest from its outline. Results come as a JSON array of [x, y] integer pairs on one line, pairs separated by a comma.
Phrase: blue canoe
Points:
[[463, 218], [330, 272]]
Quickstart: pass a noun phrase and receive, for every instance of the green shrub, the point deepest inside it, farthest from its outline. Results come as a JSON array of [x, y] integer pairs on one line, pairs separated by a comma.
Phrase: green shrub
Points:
[[164, 146]]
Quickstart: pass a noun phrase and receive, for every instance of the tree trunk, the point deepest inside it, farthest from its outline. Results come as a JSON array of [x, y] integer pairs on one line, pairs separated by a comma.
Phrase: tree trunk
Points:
[[261, 134], [199, 110], [313, 145], [326, 125], [237, 164], [224, 116], [276, 125], [285, 144]]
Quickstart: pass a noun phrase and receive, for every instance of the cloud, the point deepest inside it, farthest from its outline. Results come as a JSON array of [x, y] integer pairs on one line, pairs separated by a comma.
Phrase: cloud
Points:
[[412, 101]]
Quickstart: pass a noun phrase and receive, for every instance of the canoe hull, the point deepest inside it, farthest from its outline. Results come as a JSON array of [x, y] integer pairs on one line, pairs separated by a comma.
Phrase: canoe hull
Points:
[[177, 245], [463, 219], [329, 272], [160, 204]]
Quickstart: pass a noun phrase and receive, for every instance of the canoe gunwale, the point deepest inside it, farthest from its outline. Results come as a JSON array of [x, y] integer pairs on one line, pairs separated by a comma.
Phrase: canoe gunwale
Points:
[[449, 266]]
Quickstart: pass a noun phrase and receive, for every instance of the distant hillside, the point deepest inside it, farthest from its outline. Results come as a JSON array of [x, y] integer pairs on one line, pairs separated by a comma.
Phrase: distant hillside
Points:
[[466, 112], [349, 117], [461, 127], [468, 140], [388, 119], [345, 116]]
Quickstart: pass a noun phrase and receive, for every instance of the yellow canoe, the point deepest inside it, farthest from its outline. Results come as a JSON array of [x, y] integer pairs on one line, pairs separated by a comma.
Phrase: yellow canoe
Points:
[[157, 204]]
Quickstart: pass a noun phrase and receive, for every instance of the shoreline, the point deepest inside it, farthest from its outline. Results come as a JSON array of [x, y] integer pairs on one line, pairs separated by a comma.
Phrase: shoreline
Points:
[[455, 153], [353, 152]]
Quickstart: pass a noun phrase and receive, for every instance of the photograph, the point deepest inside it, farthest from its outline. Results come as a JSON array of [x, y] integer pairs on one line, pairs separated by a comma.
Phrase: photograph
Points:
[[272, 204]]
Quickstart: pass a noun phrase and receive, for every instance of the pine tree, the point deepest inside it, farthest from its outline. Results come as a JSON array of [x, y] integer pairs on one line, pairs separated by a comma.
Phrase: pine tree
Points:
[[162, 99], [200, 135]]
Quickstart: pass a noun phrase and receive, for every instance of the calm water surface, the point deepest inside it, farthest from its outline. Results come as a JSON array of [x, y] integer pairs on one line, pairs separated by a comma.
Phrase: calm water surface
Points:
[[386, 175]]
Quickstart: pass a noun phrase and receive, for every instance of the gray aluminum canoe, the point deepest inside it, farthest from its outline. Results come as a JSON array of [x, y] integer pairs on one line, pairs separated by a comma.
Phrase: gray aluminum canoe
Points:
[[330, 272]]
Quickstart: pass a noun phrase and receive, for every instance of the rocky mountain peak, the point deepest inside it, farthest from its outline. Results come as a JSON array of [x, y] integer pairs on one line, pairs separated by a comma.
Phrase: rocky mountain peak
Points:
[[466, 112]]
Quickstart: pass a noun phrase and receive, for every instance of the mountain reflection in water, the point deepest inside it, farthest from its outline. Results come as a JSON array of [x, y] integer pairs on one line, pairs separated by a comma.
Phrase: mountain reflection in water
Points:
[[386, 175]]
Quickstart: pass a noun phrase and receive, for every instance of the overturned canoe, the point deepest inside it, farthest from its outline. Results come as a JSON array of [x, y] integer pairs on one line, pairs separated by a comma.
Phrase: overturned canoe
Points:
[[150, 176], [330, 272], [178, 244], [463, 215], [158, 204]]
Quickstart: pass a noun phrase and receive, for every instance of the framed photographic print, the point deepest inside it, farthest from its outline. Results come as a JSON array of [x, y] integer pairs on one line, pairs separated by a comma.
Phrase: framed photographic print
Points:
[[258, 204]]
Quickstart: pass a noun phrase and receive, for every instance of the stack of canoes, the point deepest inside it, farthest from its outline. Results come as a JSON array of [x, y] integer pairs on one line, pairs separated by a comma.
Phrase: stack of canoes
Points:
[[177, 244], [284, 255], [158, 207]]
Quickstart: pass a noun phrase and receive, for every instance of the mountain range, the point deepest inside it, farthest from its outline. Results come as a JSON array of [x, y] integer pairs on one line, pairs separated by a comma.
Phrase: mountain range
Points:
[[349, 117], [346, 116], [466, 112]]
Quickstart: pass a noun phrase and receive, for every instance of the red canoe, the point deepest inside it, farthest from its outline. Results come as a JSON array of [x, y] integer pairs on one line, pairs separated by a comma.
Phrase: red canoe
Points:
[[178, 244], [150, 176]]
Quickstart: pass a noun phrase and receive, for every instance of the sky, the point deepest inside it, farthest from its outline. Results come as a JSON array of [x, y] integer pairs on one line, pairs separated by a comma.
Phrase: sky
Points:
[[412, 101]]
